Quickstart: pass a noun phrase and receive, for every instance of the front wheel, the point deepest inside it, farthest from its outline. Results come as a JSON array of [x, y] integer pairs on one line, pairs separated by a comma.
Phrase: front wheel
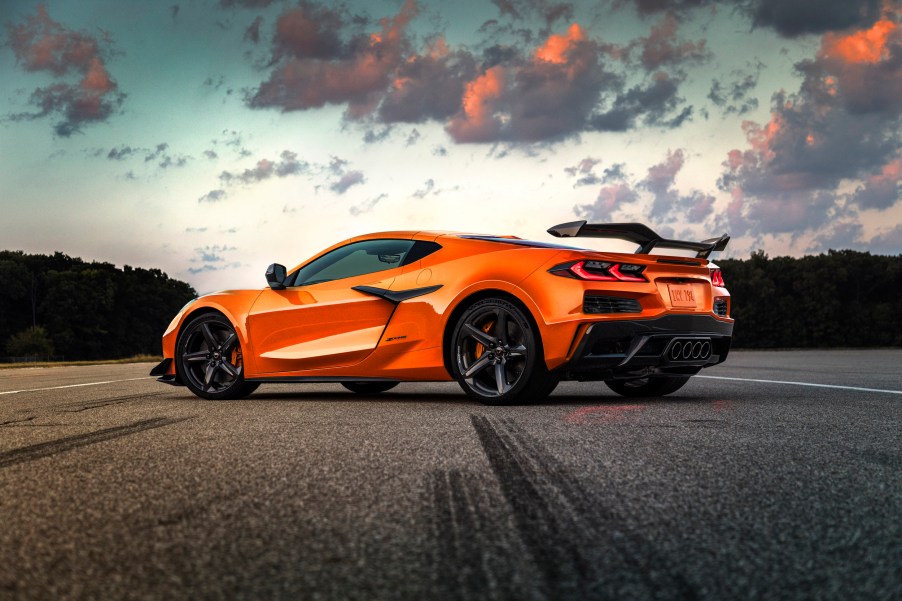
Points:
[[497, 355], [210, 361], [369, 387], [639, 387]]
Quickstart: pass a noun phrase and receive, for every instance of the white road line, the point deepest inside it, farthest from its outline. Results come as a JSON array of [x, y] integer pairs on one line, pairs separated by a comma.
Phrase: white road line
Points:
[[803, 384], [74, 385]]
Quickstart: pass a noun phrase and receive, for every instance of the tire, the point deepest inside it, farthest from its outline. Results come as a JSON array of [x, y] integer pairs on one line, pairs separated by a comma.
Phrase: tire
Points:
[[369, 387], [209, 359], [644, 387], [496, 355]]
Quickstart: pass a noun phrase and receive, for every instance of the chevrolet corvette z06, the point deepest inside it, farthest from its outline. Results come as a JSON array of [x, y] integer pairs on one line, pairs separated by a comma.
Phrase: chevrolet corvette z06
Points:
[[506, 318]]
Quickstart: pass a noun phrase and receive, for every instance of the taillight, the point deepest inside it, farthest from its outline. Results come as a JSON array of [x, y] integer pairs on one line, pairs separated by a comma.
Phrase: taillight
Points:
[[601, 271], [717, 278]]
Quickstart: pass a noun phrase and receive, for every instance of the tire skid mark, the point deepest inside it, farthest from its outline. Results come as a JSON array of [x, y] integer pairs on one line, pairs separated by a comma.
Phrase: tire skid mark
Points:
[[16, 422], [569, 531], [85, 406], [473, 556], [55, 447], [458, 535]]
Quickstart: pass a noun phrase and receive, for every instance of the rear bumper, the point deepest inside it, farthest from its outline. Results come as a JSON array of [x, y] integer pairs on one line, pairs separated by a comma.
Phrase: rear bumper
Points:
[[643, 347]]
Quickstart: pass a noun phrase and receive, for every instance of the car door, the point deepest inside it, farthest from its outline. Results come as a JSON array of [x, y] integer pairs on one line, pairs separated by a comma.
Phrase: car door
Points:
[[319, 321]]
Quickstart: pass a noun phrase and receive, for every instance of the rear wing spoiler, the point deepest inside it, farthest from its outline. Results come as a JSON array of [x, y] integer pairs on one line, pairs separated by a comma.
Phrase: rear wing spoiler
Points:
[[638, 233]]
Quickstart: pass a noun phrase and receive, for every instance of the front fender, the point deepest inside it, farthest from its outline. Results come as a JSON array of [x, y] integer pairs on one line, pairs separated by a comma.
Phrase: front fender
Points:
[[233, 304]]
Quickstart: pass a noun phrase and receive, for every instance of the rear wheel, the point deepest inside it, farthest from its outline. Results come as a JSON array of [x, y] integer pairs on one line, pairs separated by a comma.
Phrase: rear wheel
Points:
[[369, 387], [210, 361], [640, 387], [497, 355]]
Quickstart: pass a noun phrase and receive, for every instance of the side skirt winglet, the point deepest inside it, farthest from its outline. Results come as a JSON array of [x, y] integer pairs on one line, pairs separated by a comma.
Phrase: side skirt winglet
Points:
[[396, 296]]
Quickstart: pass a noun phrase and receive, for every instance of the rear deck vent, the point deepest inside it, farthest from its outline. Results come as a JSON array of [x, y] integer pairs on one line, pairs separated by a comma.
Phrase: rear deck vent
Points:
[[594, 303]]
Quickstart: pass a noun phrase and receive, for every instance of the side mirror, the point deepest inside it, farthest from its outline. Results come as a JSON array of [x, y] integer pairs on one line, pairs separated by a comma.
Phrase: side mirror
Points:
[[275, 276]]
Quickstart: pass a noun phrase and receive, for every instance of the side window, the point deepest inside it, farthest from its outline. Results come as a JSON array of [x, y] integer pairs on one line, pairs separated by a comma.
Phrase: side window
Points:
[[357, 258]]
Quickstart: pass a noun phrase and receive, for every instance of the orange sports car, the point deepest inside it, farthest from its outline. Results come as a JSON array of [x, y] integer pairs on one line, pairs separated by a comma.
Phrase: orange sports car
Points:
[[507, 318]]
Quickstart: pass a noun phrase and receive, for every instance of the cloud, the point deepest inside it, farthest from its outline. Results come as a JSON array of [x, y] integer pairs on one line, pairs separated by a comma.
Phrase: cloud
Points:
[[367, 206], [159, 154], [245, 3], [548, 95], [152, 155], [252, 33], [288, 164], [845, 234], [372, 136], [544, 87], [212, 259], [478, 120], [42, 44], [648, 7], [651, 104], [121, 153], [584, 167], [792, 18], [662, 48], [888, 242], [428, 86], [585, 170], [165, 159], [609, 199], [881, 189], [841, 128], [546, 10], [212, 196], [314, 67], [655, 196], [346, 181], [337, 165], [733, 97], [667, 202], [428, 186], [233, 140], [789, 18]]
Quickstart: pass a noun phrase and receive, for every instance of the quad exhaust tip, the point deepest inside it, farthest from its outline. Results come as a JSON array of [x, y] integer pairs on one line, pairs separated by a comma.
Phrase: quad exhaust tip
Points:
[[689, 349]]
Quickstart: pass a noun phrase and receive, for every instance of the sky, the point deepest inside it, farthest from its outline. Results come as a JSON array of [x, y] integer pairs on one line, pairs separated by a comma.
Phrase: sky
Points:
[[210, 138]]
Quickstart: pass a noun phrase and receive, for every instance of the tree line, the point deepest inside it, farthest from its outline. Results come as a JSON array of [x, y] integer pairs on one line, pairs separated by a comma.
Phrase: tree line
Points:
[[65, 307], [844, 298]]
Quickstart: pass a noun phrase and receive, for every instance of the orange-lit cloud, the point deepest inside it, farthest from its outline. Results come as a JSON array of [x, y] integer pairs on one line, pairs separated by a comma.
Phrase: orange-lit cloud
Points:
[[867, 46], [477, 121], [555, 48], [761, 138]]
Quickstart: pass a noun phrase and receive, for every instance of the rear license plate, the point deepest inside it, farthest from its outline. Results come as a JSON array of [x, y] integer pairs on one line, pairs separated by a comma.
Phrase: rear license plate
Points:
[[681, 295]]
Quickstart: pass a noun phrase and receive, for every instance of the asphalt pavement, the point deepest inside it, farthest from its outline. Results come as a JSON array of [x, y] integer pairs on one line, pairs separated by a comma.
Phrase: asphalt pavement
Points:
[[776, 476]]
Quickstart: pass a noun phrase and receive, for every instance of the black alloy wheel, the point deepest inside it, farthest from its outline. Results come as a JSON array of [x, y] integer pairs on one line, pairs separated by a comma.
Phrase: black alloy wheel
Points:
[[497, 355], [210, 362], [644, 387], [369, 387]]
